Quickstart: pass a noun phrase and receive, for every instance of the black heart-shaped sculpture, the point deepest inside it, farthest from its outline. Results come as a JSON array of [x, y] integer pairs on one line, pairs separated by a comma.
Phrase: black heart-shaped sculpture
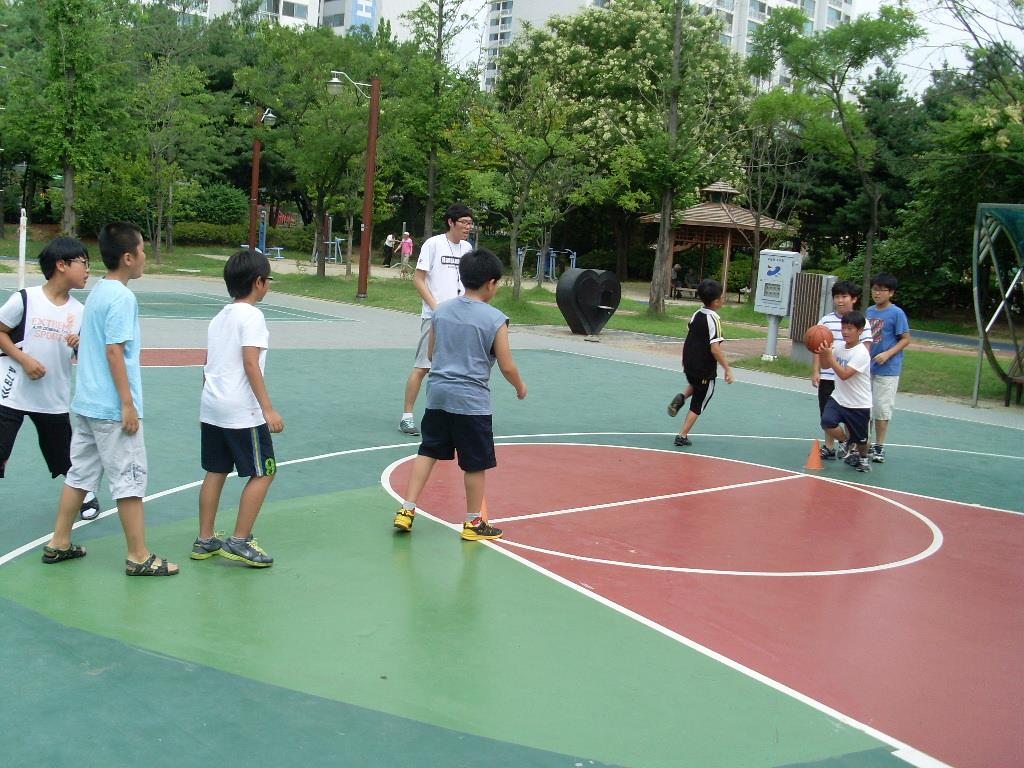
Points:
[[587, 299]]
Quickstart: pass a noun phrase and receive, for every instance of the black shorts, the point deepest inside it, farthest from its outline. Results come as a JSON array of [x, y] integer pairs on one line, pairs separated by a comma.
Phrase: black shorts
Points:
[[855, 419], [703, 391], [249, 450], [53, 431], [445, 433], [825, 389]]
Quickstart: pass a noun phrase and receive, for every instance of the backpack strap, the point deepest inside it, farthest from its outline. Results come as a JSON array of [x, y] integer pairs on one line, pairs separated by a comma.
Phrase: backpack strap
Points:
[[18, 331]]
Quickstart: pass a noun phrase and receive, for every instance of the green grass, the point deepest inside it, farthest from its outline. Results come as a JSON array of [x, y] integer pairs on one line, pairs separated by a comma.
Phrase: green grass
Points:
[[941, 374]]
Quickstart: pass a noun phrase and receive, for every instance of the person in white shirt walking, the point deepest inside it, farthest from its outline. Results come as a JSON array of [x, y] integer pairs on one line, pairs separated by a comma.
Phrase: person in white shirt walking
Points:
[[436, 280]]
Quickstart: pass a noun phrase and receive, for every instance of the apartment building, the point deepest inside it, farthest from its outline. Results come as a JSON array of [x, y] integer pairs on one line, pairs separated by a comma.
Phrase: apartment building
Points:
[[740, 20]]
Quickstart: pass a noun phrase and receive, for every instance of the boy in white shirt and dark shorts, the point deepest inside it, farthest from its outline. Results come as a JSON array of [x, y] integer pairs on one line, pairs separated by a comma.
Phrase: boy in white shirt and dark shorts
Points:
[[39, 329], [235, 413], [850, 402]]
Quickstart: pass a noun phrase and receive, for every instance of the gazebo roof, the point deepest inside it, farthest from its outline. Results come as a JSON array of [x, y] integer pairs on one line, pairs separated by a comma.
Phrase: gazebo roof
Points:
[[721, 186], [720, 215]]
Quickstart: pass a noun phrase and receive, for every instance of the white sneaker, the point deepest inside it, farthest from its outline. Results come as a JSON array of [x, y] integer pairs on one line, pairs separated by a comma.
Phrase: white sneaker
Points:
[[408, 426]]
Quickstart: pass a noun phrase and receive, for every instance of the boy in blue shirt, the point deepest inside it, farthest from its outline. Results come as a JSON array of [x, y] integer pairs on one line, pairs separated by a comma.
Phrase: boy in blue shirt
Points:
[[467, 337], [890, 335], [107, 433]]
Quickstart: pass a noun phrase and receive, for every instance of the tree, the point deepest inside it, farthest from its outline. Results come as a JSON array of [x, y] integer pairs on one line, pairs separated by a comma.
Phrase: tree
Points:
[[83, 76], [319, 136], [169, 113], [435, 26], [825, 66], [618, 68], [530, 163], [773, 170]]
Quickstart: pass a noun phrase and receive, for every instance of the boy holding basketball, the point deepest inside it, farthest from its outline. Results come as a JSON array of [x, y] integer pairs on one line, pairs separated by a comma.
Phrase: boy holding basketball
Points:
[[845, 297], [702, 354], [850, 402], [890, 333], [467, 337], [107, 433], [235, 413]]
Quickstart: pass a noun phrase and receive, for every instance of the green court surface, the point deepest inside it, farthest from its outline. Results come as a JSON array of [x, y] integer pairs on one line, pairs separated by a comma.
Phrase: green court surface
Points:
[[363, 647]]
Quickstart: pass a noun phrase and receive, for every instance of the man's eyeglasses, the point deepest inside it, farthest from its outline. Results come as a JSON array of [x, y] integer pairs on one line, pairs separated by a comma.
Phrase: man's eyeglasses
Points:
[[79, 259], [466, 221]]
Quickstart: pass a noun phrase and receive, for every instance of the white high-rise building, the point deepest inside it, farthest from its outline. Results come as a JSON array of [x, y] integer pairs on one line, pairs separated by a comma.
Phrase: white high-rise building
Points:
[[339, 15], [740, 19]]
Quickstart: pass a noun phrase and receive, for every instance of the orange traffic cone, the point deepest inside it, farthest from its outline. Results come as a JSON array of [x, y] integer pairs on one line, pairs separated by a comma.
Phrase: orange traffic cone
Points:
[[814, 457]]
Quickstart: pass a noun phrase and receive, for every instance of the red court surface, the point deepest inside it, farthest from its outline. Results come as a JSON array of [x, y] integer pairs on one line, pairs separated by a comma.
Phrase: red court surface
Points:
[[171, 358], [899, 611]]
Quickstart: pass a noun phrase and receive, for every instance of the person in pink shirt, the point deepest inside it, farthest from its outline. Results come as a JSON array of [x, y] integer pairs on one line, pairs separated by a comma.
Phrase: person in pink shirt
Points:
[[406, 246]]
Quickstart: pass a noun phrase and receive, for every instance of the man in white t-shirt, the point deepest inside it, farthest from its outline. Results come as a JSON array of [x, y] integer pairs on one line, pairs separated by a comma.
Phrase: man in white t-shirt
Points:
[[235, 413], [436, 280], [850, 402], [39, 329]]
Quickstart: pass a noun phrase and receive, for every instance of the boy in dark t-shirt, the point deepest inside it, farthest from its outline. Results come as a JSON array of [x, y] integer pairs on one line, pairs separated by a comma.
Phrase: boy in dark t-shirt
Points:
[[702, 354]]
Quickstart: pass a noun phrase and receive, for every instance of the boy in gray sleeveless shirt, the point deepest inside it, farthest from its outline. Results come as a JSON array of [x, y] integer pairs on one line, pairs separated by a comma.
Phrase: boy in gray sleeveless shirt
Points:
[[467, 337]]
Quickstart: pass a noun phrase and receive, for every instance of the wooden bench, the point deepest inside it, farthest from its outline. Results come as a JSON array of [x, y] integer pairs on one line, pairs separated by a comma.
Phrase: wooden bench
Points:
[[681, 292]]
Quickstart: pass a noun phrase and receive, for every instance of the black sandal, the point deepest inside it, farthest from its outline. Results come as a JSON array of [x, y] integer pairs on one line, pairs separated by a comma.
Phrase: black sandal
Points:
[[131, 568], [51, 555]]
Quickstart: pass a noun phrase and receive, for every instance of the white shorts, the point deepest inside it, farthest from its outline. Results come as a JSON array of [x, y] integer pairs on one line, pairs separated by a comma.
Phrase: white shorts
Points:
[[423, 348], [100, 445], [883, 396]]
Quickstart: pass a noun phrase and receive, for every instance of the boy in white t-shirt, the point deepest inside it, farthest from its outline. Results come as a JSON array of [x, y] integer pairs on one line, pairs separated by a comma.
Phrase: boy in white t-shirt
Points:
[[39, 329], [845, 297], [850, 402], [235, 413], [436, 280]]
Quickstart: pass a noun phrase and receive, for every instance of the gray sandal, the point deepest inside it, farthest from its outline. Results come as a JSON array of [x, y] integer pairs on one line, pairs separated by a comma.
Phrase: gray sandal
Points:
[[131, 568]]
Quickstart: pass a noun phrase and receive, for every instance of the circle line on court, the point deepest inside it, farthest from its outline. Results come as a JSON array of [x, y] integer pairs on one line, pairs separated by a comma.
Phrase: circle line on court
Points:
[[932, 548]]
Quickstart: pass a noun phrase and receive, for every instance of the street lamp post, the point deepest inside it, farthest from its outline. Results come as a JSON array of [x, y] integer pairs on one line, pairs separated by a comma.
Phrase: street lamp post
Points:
[[267, 118], [334, 86]]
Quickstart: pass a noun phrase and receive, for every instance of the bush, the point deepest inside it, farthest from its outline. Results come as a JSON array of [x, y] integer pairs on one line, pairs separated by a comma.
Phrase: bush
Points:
[[217, 204], [294, 239], [740, 267], [104, 199], [202, 233]]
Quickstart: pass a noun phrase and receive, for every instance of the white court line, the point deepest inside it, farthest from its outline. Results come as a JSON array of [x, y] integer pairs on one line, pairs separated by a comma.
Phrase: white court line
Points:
[[902, 750], [14, 553], [217, 301], [628, 502], [767, 466], [934, 546]]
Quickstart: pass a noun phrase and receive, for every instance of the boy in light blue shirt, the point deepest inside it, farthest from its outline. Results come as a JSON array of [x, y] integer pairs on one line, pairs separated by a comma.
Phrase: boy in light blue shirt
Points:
[[107, 408], [467, 337], [890, 335]]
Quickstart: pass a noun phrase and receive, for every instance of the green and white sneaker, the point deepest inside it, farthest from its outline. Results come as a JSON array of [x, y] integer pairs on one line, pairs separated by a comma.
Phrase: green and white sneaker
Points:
[[246, 551], [203, 549]]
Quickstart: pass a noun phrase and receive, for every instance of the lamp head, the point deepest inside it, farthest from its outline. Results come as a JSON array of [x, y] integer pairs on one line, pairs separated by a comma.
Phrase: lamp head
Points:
[[269, 118]]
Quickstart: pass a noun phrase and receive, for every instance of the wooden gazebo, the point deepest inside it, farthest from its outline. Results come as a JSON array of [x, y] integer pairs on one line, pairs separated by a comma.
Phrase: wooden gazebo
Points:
[[715, 222]]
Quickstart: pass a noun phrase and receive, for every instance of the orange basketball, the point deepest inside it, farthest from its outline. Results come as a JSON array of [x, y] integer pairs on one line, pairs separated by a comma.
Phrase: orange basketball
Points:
[[816, 336]]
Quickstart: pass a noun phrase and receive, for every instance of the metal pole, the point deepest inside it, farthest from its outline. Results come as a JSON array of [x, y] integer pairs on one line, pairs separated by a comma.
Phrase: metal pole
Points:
[[22, 247], [371, 168], [254, 190]]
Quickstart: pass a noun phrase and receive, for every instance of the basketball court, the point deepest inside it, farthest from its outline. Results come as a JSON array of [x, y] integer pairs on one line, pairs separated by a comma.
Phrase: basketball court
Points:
[[649, 606]]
